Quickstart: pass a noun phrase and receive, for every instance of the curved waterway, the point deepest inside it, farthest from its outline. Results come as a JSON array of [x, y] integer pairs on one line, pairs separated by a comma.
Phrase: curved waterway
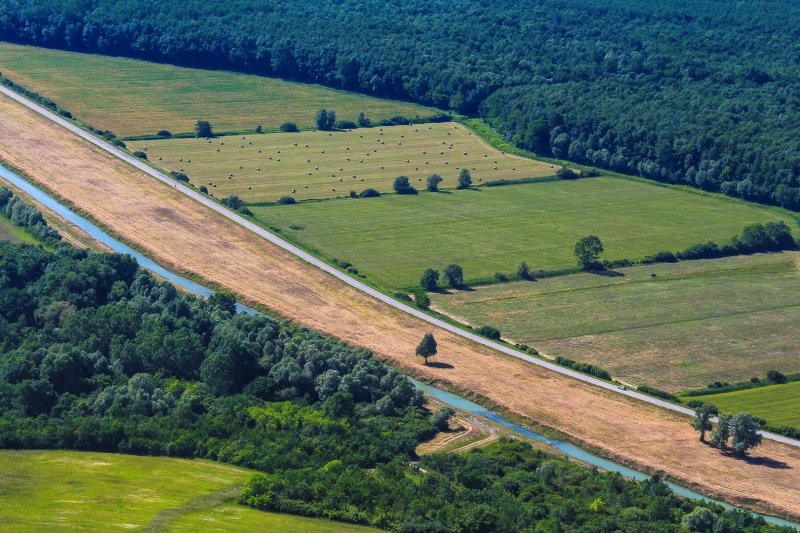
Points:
[[566, 448]]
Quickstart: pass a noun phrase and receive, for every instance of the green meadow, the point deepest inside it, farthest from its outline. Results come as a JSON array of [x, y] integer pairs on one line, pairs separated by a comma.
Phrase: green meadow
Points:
[[87, 491], [11, 232], [674, 326], [778, 404], [486, 230], [131, 97]]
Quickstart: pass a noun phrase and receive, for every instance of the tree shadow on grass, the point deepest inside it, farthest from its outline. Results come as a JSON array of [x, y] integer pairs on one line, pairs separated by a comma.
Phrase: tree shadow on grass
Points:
[[439, 364], [608, 273]]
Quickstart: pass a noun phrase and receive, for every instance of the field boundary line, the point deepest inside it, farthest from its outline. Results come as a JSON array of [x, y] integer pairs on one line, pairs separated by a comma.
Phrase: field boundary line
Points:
[[310, 259]]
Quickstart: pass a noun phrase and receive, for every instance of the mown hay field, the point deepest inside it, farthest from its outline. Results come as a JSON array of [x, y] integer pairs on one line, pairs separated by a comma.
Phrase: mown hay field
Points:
[[43, 490], [778, 404], [673, 326], [131, 97], [393, 239], [189, 238], [318, 164]]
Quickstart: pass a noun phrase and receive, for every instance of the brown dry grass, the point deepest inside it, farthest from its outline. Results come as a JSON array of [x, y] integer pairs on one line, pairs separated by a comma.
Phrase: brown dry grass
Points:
[[189, 238]]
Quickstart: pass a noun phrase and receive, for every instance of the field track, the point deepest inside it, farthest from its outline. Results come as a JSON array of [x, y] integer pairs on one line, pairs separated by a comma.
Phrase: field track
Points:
[[188, 237]]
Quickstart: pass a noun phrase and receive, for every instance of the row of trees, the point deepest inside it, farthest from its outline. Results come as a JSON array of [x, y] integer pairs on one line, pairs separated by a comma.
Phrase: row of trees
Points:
[[683, 92], [453, 275], [27, 216], [98, 355], [742, 429]]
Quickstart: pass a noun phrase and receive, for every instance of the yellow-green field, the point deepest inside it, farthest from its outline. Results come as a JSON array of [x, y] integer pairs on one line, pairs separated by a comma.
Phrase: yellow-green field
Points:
[[11, 232], [692, 323], [330, 164], [131, 97], [83, 491], [778, 404]]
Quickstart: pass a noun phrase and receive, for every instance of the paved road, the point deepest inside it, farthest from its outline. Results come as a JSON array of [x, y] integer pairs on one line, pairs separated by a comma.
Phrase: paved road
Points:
[[305, 256]]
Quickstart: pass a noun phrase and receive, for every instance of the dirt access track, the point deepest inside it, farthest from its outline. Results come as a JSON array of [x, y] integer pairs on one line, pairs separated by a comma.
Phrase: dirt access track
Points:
[[190, 238]]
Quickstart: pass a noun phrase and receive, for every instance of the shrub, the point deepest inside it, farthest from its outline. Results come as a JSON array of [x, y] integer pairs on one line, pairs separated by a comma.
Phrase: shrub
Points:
[[363, 121], [180, 176], [663, 257], [259, 128], [204, 189], [203, 128], [658, 393], [707, 250], [464, 179], [164, 133], [430, 280], [774, 376], [353, 194], [433, 182], [289, 127], [523, 271], [490, 332], [441, 417], [454, 275], [586, 368], [403, 186], [345, 125], [421, 298], [500, 277], [369, 192], [140, 154], [565, 173], [287, 200], [233, 201]]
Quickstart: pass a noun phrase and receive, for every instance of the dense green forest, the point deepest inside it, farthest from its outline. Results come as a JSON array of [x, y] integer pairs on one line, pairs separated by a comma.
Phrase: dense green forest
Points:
[[95, 354], [701, 92]]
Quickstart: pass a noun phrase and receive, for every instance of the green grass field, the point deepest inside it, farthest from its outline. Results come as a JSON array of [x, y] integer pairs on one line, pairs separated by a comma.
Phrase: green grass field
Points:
[[81, 491], [131, 97], [326, 165], [778, 404], [492, 229], [11, 232], [695, 322]]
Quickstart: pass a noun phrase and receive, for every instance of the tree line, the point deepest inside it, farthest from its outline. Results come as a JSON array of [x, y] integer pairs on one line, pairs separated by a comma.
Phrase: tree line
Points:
[[682, 92], [98, 355]]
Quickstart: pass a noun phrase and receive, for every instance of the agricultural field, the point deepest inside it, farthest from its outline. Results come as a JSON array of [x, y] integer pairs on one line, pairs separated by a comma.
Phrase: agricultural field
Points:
[[111, 492], [131, 97], [262, 168], [674, 326], [778, 404], [393, 239]]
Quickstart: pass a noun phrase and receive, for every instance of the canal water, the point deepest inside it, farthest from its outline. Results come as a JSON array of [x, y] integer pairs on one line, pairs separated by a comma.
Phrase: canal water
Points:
[[568, 449]]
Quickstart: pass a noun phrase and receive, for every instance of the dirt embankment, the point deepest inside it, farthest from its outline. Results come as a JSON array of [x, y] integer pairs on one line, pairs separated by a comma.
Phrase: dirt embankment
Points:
[[187, 237]]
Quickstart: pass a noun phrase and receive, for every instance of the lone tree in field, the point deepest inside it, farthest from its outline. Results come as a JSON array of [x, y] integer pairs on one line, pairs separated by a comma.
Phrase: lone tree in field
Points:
[[403, 186], [203, 129], [325, 119], [433, 182], [464, 179], [454, 275], [744, 430], [702, 419], [427, 347], [587, 250], [430, 280]]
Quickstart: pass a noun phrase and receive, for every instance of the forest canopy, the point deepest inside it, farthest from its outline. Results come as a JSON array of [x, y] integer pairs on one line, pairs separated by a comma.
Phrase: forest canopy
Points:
[[703, 93]]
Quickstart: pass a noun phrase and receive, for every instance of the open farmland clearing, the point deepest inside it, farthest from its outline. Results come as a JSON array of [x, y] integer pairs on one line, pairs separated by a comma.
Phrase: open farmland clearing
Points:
[[675, 326], [319, 164], [87, 491], [132, 97], [778, 404], [493, 229], [187, 237]]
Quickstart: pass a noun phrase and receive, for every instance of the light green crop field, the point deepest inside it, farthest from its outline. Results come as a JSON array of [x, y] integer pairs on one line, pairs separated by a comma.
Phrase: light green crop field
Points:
[[131, 97], [778, 404], [261, 168], [393, 239], [11, 232], [692, 323], [84, 491]]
